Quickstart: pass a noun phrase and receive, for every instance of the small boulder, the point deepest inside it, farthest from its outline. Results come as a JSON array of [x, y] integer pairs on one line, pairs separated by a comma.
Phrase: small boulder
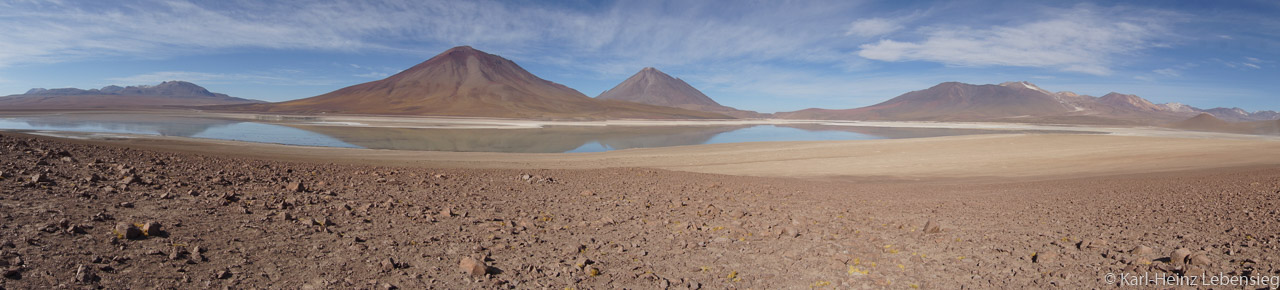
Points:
[[85, 274], [789, 232], [587, 193], [472, 267], [931, 227], [1092, 243], [1141, 251], [1199, 259], [389, 264], [125, 230], [1044, 257], [151, 229], [177, 253], [13, 273], [296, 187], [1179, 256]]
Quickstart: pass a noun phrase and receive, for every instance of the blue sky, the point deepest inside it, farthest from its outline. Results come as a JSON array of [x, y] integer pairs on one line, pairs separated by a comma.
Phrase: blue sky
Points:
[[758, 55]]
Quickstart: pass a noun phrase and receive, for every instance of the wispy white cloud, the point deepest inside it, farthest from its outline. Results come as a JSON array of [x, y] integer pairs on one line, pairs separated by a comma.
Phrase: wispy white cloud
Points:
[[872, 27], [1247, 63], [649, 32], [1083, 39], [1169, 72]]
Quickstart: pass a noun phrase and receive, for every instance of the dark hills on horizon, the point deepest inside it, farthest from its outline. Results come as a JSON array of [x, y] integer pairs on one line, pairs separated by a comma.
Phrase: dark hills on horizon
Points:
[[165, 94]]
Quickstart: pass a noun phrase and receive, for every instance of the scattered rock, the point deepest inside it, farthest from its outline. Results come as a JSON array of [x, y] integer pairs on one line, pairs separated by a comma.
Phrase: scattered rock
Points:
[[389, 264], [38, 178], [177, 253], [13, 273], [1141, 251], [1179, 256], [789, 232], [472, 267], [85, 274], [1199, 259], [932, 227], [125, 230], [151, 229], [324, 222], [1044, 257], [1091, 243], [296, 187]]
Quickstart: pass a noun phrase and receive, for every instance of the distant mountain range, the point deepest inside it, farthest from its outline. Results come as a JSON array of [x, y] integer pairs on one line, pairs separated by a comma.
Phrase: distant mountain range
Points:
[[466, 82], [653, 87], [1023, 102], [165, 94]]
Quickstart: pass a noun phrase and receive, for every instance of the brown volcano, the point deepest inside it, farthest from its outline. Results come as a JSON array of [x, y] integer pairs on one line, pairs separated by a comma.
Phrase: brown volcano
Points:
[[467, 82], [952, 101], [1009, 102], [653, 87]]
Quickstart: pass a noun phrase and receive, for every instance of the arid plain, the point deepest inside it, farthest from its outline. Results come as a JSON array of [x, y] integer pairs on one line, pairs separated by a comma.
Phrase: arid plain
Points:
[[981, 211]]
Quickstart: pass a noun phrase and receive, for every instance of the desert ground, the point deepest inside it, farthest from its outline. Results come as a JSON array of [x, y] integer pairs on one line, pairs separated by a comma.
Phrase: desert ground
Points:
[[981, 211]]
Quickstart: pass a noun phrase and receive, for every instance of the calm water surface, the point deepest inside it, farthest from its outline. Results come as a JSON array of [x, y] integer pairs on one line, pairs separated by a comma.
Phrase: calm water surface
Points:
[[544, 140]]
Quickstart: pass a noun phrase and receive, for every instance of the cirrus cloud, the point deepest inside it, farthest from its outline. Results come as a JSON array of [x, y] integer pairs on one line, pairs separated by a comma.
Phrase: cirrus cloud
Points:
[[1082, 40]]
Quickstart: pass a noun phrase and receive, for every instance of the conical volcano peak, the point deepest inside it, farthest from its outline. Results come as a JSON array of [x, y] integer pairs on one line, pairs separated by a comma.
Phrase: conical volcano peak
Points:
[[464, 81]]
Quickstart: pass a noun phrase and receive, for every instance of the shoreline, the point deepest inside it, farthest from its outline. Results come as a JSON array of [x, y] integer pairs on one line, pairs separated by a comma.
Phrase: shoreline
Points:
[[958, 158]]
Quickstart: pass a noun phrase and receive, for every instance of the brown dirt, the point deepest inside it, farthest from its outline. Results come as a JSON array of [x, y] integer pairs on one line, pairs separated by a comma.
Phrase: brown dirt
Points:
[[274, 224]]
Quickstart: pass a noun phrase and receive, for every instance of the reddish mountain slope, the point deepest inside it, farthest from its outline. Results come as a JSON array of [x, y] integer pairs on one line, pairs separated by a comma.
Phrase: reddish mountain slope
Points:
[[653, 87], [467, 82], [952, 101]]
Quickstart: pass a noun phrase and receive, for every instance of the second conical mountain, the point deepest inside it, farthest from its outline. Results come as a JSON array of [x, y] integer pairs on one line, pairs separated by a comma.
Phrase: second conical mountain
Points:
[[653, 87], [467, 82]]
